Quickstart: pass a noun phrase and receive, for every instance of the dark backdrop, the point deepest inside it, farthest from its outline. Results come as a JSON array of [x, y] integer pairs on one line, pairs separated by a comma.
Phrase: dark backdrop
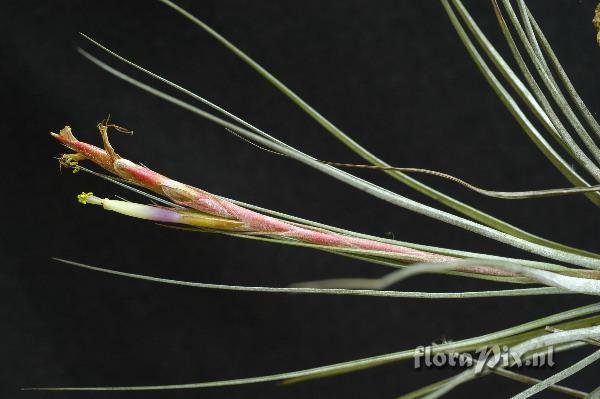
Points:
[[391, 73]]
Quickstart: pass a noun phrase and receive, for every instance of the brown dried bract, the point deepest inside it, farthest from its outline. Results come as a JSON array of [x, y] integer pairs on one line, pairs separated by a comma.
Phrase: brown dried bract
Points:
[[596, 22]]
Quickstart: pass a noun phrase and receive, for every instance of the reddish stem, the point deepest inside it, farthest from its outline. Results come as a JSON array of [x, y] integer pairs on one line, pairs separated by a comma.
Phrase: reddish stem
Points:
[[255, 222]]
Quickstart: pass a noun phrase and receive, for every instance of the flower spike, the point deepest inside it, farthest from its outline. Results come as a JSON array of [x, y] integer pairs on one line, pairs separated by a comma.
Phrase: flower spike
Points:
[[224, 214]]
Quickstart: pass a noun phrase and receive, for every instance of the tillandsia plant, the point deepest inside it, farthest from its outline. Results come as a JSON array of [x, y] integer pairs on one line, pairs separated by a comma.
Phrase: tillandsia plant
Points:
[[550, 98]]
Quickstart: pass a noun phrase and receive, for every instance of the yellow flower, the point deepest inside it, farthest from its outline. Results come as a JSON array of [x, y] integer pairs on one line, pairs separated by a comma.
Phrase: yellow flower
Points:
[[84, 197]]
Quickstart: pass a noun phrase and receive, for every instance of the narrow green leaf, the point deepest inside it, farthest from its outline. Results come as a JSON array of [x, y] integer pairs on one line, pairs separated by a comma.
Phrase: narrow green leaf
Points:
[[583, 109], [569, 371], [452, 203], [360, 364], [552, 86], [362, 184], [330, 291]]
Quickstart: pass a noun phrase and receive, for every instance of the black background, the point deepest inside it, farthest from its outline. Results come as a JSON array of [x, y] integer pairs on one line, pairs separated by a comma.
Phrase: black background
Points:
[[393, 74]]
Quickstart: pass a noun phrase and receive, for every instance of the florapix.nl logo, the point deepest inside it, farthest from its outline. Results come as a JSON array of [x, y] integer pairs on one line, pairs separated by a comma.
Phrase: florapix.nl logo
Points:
[[484, 357]]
